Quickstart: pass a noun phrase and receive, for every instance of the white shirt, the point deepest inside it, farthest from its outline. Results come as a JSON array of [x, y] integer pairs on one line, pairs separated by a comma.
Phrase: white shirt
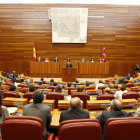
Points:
[[98, 85], [119, 94], [16, 84]]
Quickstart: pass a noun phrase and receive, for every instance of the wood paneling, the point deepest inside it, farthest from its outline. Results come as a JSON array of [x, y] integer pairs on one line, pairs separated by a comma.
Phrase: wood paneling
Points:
[[118, 26]]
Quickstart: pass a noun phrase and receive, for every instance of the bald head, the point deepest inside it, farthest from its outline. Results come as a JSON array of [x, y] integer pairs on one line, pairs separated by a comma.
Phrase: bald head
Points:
[[75, 103], [116, 105]]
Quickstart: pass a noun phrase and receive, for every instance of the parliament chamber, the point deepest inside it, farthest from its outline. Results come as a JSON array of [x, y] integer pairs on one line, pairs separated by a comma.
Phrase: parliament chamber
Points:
[[28, 52]]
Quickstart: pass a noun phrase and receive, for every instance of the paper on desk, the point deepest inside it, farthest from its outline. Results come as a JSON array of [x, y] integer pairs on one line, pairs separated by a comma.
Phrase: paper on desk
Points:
[[67, 98], [12, 110]]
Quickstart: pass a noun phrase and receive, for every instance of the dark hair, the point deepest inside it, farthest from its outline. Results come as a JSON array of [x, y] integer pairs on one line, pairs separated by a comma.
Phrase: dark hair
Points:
[[115, 106], [38, 96], [76, 81], [122, 87], [87, 83], [12, 88], [100, 81], [52, 80], [54, 83], [58, 89], [0, 103], [125, 81], [40, 82], [80, 89], [31, 88], [42, 79], [69, 84]]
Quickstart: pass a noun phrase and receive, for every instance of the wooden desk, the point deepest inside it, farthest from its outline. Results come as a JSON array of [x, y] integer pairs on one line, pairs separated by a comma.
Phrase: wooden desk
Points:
[[95, 69], [98, 104], [130, 103], [19, 102], [50, 103], [43, 69]]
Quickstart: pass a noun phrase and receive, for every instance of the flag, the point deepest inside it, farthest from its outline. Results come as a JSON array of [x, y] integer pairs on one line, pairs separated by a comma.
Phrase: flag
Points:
[[104, 54], [34, 53]]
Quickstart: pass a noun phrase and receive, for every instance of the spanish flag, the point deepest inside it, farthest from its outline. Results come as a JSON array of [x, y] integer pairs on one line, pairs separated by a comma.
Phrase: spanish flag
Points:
[[104, 54], [34, 53]]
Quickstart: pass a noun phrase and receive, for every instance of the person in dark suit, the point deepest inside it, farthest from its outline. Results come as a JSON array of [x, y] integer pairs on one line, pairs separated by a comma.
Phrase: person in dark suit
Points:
[[114, 111], [92, 60], [68, 60], [69, 65], [39, 59], [75, 111], [100, 60], [39, 110], [56, 60]]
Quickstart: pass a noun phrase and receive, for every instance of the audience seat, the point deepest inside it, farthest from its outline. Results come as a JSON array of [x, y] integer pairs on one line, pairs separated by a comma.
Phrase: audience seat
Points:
[[38, 87], [116, 86], [122, 128], [69, 89], [130, 95], [28, 95], [84, 97], [24, 90], [55, 96], [102, 88], [105, 97], [81, 129], [10, 94], [9, 84], [51, 87], [23, 128], [129, 85], [89, 87], [23, 85]]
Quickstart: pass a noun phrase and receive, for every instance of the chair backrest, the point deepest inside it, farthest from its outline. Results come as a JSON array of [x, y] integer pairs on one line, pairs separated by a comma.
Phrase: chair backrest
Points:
[[38, 87], [83, 96], [105, 97], [9, 84], [89, 87], [130, 95], [102, 87], [55, 96], [22, 85], [51, 87], [129, 85], [116, 86], [28, 95], [69, 89], [21, 128], [122, 128], [10, 94], [24, 90], [72, 130]]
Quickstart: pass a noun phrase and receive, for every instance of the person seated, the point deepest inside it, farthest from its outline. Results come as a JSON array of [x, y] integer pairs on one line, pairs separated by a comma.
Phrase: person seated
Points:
[[80, 89], [114, 111], [55, 84], [75, 111], [111, 86], [56, 60], [87, 83], [76, 83], [37, 109], [47, 60], [12, 88], [83, 60], [113, 82], [125, 81], [31, 88], [92, 60], [22, 78], [51, 80], [42, 79], [39, 59], [69, 65], [68, 59], [58, 89], [100, 60], [136, 69], [28, 82], [100, 83], [122, 89], [69, 84], [3, 112], [107, 90], [18, 81]]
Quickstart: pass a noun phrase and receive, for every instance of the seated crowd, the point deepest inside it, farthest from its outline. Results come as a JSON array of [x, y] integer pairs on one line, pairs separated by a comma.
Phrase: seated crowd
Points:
[[43, 112]]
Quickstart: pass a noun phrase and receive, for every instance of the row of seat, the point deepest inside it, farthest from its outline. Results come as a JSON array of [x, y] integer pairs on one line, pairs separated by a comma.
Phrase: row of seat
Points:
[[25, 127]]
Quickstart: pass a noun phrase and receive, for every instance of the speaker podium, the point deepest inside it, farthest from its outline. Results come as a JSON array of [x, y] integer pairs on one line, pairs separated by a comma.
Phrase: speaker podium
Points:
[[69, 74]]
